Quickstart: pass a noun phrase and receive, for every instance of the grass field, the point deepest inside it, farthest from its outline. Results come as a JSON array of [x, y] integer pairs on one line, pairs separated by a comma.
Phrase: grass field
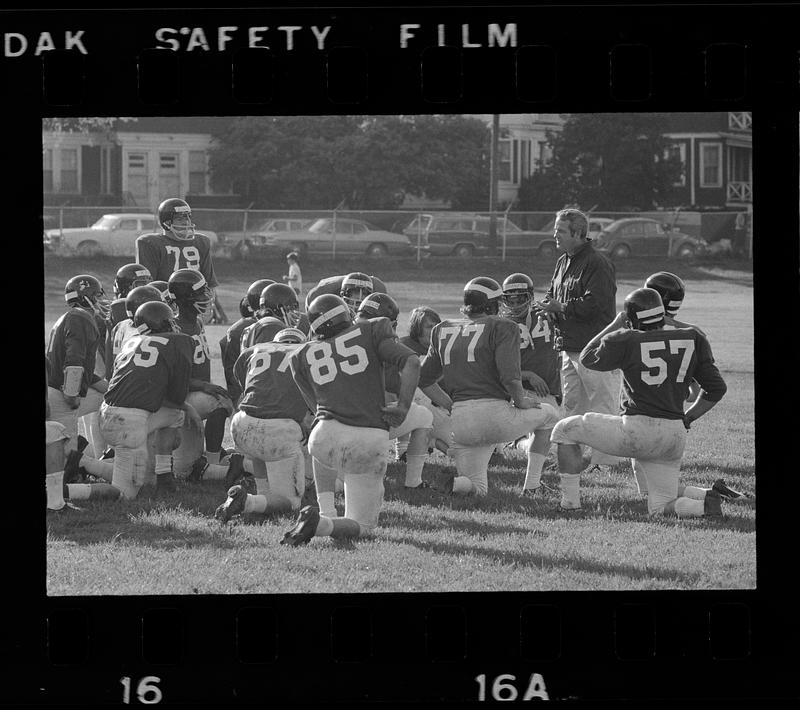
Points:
[[426, 541]]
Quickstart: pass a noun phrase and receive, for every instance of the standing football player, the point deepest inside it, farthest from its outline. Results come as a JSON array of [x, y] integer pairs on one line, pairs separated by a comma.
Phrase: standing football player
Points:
[[146, 402], [340, 374], [270, 427], [178, 246], [538, 359], [657, 366], [193, 299], [477, 360]]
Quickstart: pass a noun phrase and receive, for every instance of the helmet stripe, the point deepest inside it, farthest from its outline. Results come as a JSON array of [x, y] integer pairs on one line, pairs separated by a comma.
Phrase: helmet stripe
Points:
[[369, 303], [181, 208], [483, 289], [360, 283], [335, 311], [515, 287], [200, 283], [70, 294], [675, 304], [650, 315], [288, 333]]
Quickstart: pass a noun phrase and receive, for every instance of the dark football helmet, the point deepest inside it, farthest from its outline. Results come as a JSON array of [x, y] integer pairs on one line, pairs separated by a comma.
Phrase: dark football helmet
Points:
[[328, 314], [644, 309], [265, 329], [280, 301], [355, 288], [87, 292], [482, 295], [155, 317], [254, 293], [517, 296], [130, 276], [379, 305], [187, 286], [290, 335], [175, 218], [671, 289], [139, 295]]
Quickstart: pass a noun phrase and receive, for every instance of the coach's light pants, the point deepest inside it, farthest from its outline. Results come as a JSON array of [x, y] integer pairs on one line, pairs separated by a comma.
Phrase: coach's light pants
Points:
[[586, 390]]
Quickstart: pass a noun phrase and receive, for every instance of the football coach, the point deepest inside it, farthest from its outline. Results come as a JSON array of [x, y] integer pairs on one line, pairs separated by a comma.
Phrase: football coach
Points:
[[580, 302]]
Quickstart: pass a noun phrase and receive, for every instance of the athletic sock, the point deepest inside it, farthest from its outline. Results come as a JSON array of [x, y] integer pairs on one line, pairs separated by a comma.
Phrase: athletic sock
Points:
[[214, 472], [533, 473], [262, 486], [462, 485], [414, 464], [55, 490], [324, 526], [212, 456], [571, 489], [326, 506], [79, 491], [694, 492], [255, 503], [163, 464], [689, 508]]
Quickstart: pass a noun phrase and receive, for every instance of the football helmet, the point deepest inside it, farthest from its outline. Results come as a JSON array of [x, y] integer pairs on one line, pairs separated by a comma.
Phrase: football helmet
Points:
[[139, 295], [175, 218], [644, 309], [130, 276], [280, 301], [379, 305], [189, 287], [87, 292], [290, 335], [482, 295], [671, 289], [155, 317], [254, 293], [265, 329], [356, 286], [517, 296], [328, 314]]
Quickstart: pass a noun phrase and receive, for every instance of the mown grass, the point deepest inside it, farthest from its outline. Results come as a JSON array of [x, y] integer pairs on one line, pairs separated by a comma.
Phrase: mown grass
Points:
[[429, 542]]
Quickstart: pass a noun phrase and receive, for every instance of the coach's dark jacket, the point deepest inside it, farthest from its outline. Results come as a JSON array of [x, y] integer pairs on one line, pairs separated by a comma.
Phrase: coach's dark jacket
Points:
[[586, 284]]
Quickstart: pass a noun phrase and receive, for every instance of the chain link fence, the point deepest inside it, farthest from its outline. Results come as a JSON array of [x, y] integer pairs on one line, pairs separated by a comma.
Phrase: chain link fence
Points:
[[244, 233]]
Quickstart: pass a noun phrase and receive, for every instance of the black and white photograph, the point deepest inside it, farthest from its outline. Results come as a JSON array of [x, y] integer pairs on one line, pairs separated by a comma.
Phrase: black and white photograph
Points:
[[399, 353]]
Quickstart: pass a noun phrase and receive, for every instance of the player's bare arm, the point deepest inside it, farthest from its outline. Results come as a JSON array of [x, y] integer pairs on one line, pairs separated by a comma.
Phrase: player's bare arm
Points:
[[539, 385], [438, 396], [518, 396]]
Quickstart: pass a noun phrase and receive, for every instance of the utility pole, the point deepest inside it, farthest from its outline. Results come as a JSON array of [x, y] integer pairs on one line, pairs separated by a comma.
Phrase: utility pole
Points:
[[493, 178]]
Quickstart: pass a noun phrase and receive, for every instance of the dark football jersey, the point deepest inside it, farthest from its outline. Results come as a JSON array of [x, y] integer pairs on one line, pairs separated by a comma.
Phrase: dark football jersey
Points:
[[74, 339], [343, 375], [473, 358], [231, 351], [162, 256], [657, 368], [333, 284], [201, 358], [264, 376], [537, 353], [151, 369]]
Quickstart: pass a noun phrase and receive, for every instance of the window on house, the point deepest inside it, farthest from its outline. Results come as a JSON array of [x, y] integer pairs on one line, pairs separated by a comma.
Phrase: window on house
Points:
[[710, 165], [168, 162], [504, 160], [136, 160], [69, 170], [197, 172], [677, 152], [47, 169]]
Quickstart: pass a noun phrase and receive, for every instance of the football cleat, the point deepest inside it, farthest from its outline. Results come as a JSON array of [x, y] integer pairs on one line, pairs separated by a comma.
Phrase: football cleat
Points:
[[443, 481], [198, 468], [73, 471], [235, 470], [233, 505], [304, 528], [165, 483], [725, 491], [712, 505]]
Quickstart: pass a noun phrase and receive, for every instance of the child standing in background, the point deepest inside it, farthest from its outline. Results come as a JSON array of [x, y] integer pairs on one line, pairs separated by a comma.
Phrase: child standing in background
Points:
[[294, 278]]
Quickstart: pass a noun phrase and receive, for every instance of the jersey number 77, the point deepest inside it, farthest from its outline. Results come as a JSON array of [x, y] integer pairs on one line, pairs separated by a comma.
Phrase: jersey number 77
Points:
[[450, 335]]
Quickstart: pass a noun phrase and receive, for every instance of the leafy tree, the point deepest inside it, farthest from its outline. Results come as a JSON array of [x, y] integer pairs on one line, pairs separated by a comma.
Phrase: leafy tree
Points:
[[614, 161], [82, 124], [365, 162]]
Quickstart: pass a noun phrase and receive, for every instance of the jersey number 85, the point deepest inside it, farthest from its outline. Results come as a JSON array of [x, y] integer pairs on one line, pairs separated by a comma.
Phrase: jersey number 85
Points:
[[324, 367]]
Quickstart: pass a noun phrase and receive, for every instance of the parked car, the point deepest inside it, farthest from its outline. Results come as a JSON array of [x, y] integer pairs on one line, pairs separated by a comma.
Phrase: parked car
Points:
[[243, 244], [111, 235], [353, 236], [639, 236]]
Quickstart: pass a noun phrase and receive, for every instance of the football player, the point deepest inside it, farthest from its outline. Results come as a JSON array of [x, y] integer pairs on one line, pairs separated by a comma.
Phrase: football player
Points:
[[277, 301], [74, 389], [333, 284], [125, 329], [340, 375], [657, 366], [538, 360], [231, 344], [128, 277], [193, 299], [178, 246], [477, 359], [270, 427], [147, 400]]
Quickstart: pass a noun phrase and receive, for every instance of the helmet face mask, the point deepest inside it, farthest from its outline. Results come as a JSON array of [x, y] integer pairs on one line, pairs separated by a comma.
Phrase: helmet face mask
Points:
[[517, 296], [355, 288], [175, 218]]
